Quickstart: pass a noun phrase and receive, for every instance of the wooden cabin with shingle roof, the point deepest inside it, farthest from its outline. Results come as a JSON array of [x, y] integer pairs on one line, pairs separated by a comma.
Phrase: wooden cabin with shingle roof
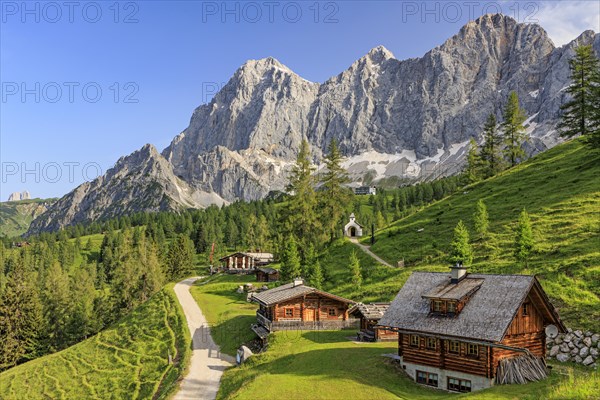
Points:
[[369, 316], [463, 332], [246, 262], [297, 306]]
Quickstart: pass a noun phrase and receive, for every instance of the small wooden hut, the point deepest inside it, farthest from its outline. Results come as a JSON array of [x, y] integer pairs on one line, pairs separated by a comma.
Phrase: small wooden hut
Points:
[[369, 316], [266, 274]]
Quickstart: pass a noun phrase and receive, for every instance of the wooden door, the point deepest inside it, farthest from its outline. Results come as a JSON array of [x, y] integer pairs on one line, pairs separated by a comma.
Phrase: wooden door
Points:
[[309, 314]]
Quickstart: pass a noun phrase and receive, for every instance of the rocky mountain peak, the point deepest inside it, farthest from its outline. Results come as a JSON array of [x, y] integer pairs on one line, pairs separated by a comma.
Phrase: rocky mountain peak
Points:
[[379, 54]]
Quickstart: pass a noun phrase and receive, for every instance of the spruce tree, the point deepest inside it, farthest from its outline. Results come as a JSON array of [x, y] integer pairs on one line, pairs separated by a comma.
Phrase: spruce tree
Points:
[[513, 130], [481, 219], [57, 306], [180, 258], [461, 252], [523, 238], [490, 150], [316, 279], [300, 213], [355, 271], [580, 114], [335, 195], [290, 260]]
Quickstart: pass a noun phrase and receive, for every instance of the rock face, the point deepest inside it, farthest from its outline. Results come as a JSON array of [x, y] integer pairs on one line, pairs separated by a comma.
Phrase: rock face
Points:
[[144, 180], [16, 196], [410, 118]]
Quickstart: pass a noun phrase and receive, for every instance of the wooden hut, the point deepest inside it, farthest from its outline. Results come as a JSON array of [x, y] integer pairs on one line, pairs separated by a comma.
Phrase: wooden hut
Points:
[[266, 274], [463, 332], [369, 316], [297, 306], [245, 262]]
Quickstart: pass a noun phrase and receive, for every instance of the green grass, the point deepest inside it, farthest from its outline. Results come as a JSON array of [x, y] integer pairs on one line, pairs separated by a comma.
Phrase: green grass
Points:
[[126, 361], [16, 216], [559, 188], [325, 365], [227, 312]]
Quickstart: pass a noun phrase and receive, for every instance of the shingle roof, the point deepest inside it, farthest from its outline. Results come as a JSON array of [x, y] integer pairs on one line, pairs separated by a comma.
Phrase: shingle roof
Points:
[[290, 291], [267, 257], [267, 270], [370, 311], [486, 316]]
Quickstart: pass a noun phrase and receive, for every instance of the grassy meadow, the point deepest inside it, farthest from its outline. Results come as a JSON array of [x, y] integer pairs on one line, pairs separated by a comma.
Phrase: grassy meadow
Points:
[[128, 360]]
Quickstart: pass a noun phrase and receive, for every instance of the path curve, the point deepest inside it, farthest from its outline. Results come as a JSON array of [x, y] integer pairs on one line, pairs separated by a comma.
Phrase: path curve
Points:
[[207, 363], [366, 249]]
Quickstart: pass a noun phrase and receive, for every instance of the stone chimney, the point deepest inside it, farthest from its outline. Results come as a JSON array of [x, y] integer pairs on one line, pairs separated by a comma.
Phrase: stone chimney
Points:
[[458, 273], [298, 282]]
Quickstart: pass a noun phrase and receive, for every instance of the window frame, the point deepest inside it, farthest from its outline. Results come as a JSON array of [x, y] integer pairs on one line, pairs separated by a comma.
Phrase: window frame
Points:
[[525, 310], [290, 310], [431, 340], [437, 303], [475, 347], [451, 344], [430, 377], [461, 385], [329, 310], [448, 305], [416, 338]]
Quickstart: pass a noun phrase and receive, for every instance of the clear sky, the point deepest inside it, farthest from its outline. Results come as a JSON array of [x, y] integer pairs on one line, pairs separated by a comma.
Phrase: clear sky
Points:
[[84, 83]]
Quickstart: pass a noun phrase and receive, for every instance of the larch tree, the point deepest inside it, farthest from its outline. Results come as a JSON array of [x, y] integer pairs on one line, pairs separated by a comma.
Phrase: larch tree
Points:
[[581, 113], [461, 250], [356, 273], [524, 240], [335, 196], [473, 167], [481, 219], [514, 130]]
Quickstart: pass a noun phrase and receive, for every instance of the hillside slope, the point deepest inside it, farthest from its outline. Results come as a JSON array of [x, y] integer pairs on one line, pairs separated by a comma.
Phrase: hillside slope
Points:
[[126, 361], [561, 191], [16, 216]]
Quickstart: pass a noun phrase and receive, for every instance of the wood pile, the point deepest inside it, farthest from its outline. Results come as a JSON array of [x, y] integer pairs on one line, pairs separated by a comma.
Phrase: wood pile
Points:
[[521, 370]]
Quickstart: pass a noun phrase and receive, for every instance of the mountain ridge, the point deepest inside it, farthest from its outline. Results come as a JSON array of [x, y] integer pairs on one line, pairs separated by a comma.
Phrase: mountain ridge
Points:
[[409, 114]]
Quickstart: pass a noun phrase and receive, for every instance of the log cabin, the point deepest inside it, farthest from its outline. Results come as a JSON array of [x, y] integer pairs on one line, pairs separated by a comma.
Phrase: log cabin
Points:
[[266, 274], [297, 306], [460, 332], [245, 262], [369, 316]]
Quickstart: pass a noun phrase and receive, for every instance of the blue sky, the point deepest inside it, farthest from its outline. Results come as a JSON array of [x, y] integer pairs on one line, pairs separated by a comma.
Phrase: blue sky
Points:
[[155, 61]]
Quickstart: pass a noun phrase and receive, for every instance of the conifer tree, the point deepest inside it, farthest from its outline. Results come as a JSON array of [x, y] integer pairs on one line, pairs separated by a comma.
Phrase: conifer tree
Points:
[[290, 260], [21, 320], [180, 259], [461, 252], [481, 219], [300, 215], [513, 130], [490, 150], [581, 114], [335, 196], [355, 269], [316, 278], [524, 241], [473, 169], [57, 306]]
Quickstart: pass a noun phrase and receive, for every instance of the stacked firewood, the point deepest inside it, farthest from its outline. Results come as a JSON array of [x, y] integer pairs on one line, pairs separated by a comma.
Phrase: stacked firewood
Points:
[[521, 369]]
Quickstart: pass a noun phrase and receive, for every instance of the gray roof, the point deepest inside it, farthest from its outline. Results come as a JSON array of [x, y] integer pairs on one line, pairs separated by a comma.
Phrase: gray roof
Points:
[[486, 316], [267, 257], [290, 291], [370, 311], [267, 270], [448, 291]]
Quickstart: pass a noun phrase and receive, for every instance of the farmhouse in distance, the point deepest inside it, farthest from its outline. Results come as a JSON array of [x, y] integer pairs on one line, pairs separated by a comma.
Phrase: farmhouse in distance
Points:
[[465, 331]]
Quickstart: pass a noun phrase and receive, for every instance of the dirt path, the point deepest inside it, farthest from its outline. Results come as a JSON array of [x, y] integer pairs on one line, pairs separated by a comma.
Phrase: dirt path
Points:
[[207, 363], [366, 249]]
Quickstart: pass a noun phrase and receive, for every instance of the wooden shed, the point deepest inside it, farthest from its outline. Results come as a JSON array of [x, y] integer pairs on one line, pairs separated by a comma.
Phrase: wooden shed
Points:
[[369, 316], [266, 274], [462, 332]]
